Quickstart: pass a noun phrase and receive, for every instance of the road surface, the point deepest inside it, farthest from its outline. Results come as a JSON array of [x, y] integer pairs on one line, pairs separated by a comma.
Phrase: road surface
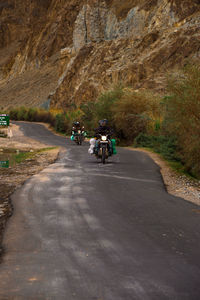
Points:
[[86, 231]]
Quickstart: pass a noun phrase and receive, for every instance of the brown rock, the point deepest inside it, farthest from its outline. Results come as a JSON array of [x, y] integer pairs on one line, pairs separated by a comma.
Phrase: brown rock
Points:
[[74, 49]]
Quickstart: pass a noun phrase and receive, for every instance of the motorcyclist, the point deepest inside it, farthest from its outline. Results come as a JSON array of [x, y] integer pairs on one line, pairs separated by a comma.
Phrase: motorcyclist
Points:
[[75, 127], [103, 129]]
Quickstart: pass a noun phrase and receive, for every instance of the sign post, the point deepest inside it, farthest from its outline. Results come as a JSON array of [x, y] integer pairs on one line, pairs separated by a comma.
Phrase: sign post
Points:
[[4, 163], [4, 120]]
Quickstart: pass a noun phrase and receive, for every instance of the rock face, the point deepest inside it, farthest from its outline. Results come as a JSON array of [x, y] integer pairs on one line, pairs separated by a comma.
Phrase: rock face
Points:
[[69, 51]]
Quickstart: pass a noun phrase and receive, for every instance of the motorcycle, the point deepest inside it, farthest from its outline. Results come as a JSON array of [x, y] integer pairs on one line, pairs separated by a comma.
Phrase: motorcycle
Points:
[[103, 147], [79, 137]]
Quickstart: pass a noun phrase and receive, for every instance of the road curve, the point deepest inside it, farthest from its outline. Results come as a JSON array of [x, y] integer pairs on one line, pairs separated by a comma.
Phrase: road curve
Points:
[[86, 231]]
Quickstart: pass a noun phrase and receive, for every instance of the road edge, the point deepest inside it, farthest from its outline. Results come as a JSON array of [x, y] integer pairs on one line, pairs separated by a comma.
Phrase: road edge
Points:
[[176, 184]]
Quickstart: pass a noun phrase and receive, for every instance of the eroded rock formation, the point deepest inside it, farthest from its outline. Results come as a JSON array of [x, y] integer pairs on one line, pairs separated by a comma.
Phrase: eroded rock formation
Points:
[[68, 51]]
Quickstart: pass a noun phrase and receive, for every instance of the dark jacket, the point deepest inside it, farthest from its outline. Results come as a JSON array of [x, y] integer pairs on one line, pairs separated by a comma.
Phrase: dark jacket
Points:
[[103, 130]]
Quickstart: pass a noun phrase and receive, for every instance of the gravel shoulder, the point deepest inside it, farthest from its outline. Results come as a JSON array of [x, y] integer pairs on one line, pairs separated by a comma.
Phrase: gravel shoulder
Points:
[[13, 177]]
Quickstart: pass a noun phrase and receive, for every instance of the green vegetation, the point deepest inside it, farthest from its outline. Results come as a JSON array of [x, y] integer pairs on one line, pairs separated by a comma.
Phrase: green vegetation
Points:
[[178, 138], [32, 114], [17, 157], [182, 115], [164, 145]]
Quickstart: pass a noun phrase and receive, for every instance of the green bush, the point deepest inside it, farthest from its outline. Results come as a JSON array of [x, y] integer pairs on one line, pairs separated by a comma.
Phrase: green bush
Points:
[[22, 114], [13, 114], [92, 112], [167, 146], [106, 102], [62, 124], [89, 117], [31, 114]]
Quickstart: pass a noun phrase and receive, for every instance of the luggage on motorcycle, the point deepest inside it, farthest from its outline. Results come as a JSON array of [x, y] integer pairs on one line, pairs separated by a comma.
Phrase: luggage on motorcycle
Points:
[[113, 141], [92, 146]]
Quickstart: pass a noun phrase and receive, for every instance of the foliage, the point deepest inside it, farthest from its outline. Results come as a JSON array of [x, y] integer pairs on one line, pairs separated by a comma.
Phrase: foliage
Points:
[[106, 102], [134, 113], [182, 115], [89, 117], [32, 115], [22, 114], [13, 114], [73, 115], [102, 108], [165, 145], [61, 124]]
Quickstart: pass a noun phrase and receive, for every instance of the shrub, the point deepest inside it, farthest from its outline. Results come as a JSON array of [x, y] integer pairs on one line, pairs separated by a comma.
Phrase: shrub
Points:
[[88, 117], [182, 115], [13, 114], [165, 145], [134, 113], [106, 102], [92, 112], [60, 123], [31, 114], [22, 113]]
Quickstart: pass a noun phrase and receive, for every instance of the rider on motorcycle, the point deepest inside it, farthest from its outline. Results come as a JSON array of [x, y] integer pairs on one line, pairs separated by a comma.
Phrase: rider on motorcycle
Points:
[[76, 126], [103, 129]]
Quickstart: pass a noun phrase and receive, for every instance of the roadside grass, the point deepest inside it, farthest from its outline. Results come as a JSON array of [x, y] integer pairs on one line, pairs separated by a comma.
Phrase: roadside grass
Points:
[[16, 157], [179, 168], [22, 156]]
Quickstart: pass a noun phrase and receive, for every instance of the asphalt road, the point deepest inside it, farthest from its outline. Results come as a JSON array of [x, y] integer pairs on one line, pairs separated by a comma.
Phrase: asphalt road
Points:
[[86, 231]]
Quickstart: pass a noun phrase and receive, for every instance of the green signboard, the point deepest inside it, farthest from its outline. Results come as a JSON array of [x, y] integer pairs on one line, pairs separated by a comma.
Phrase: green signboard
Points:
[[4, 120], [4, 163]]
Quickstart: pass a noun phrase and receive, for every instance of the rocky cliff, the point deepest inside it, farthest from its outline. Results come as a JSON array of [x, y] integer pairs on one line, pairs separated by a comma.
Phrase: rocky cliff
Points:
[[67, 52]]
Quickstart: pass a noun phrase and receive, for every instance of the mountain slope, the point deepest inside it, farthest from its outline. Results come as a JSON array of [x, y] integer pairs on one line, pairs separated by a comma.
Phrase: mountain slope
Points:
[[70, 51]]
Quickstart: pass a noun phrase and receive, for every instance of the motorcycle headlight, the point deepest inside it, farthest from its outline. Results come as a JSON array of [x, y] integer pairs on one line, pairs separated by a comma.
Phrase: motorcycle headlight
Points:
[[79, 131], [104, 138]]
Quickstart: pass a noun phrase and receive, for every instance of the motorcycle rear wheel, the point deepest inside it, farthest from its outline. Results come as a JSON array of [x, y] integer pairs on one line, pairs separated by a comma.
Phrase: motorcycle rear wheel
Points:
[[103, 157]]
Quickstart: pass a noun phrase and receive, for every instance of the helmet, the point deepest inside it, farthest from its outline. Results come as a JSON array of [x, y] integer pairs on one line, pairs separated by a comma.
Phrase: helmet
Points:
[[76, 123], [103, 122]]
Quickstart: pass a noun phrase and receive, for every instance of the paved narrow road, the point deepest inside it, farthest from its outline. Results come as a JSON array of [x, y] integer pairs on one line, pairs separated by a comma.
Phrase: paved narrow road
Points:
[[86, 231]]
